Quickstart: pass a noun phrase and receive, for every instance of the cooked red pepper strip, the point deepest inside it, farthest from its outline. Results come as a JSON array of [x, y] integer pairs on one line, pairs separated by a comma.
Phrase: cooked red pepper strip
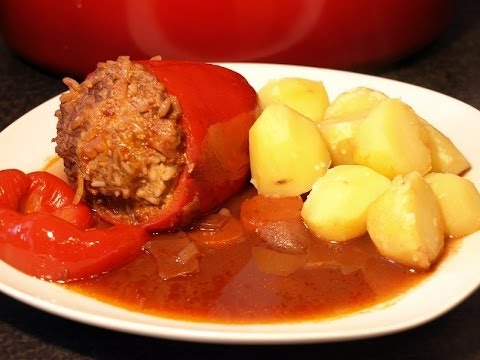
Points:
[[218, 108], [13, 184], [79, 215], [50, 248], [46, 237], [49, 194]]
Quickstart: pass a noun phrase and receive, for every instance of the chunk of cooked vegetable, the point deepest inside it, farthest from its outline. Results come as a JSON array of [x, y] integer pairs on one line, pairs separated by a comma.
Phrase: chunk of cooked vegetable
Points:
[[405, 222], [308, 97], [287, 152], [259, 210], [143, 145], [353, 104], [338, 136], [336, 208], [392, 141], [275, 262], [289, 237], [446, 157], [459, 201], [217, 231]]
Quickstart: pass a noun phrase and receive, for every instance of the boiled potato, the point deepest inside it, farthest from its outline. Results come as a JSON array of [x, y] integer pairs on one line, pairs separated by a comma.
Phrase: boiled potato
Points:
[[354, 104], [405, 222], [308, 97], [342, 118], [392, 141], [336, 208], [446, 158], [459, 201], [339, 137], [287, 152]]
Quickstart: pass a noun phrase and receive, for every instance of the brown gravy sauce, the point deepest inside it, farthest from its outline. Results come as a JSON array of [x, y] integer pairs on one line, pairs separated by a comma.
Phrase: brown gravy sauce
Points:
[[229, 287]]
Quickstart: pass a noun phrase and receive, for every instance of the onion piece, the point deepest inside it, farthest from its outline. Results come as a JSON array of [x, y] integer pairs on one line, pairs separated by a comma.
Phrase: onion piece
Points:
[[175, 255], [188, 253]]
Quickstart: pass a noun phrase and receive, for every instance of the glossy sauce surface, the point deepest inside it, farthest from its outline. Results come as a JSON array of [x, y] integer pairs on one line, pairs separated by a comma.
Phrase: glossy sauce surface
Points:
[[224, 271]]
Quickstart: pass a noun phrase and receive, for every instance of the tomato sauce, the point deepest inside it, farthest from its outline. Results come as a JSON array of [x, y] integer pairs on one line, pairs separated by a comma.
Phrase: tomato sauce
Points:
[[223, 271]]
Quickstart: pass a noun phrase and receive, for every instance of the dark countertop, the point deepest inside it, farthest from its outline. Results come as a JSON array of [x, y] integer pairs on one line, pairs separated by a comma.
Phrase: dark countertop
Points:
[[450, 65]]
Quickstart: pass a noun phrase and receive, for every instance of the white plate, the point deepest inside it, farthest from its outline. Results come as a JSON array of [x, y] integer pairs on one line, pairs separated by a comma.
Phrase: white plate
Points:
[[26, 145]]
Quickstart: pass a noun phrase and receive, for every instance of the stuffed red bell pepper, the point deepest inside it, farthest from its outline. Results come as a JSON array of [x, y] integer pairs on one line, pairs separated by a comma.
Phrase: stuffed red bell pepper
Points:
[[156, 143]]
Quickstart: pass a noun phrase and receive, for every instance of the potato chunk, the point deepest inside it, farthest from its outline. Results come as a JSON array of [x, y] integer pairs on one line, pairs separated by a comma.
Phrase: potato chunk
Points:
[[354, 104], [459, 201], [287, 152], [308, 97], [391, 140], [336, 208], [339, 137], [405, 223], [446, 158]]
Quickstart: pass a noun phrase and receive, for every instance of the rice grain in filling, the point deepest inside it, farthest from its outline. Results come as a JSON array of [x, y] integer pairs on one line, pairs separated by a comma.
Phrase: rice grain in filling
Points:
[[120, 140]]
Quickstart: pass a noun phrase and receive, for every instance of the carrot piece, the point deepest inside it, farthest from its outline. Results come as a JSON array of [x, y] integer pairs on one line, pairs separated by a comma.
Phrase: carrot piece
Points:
[[261, 210], [226, 231]]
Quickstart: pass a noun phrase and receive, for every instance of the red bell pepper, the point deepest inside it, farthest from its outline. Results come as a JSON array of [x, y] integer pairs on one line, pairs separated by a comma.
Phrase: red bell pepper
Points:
[[50, 194], [218, 109], [43, 234], [13, 184]]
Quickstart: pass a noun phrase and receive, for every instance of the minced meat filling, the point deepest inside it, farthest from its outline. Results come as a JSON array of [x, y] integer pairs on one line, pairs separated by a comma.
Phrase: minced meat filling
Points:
[[119, 136]]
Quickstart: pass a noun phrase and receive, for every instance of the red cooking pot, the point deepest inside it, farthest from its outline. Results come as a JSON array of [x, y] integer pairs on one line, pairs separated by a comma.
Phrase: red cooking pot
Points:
[[71, 36]]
